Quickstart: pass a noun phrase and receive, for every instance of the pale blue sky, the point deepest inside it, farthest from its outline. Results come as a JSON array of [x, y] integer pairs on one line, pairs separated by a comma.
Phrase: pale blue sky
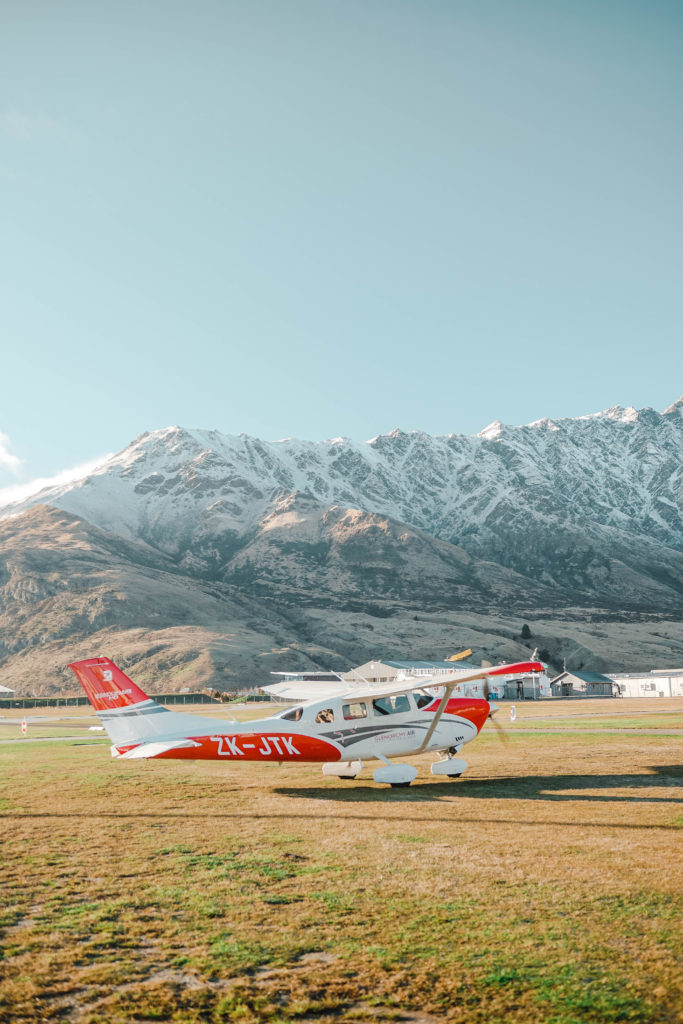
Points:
[[326, 217]]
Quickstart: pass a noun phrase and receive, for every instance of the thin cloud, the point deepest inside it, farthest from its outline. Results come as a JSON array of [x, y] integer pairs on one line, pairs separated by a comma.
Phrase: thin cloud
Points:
[[30, 127], [21, 492], [7, 459]]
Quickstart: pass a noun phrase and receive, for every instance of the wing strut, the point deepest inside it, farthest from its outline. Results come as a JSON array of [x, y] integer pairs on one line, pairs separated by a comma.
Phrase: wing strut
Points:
[[437, 716]]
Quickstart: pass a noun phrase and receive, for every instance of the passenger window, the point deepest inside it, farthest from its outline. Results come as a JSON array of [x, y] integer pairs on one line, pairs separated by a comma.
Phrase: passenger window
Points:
[[423, 700], [294, 715], [326, 715], [358, 710], [391, 705]]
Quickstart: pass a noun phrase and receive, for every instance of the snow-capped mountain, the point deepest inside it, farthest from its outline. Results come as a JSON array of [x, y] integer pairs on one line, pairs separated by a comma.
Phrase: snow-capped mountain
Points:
[[212, 558], [592, 504]]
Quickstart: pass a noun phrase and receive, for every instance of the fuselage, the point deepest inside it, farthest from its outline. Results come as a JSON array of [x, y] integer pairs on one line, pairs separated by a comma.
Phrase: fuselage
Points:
[[326, 730]]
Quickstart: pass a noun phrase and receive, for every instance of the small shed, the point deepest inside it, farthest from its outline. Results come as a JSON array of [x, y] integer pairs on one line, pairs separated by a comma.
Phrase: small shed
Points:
[[582, 684], [6, 697]]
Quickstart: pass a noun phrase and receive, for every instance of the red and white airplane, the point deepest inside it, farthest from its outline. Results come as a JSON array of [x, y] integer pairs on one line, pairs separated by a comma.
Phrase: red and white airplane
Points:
[[364, 723]]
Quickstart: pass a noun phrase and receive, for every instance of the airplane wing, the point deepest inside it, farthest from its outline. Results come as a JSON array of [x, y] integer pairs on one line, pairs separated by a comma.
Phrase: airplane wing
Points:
[[362, 691], [304, 691]]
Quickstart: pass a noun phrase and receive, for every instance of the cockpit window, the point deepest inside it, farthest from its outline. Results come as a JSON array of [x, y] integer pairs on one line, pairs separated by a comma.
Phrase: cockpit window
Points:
[[423, 699], [391, 705], [294, 715], [357, 710], [326, 715]]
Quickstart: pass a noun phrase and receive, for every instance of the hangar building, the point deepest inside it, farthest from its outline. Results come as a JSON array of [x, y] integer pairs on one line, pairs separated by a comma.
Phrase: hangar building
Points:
[[661, 682]]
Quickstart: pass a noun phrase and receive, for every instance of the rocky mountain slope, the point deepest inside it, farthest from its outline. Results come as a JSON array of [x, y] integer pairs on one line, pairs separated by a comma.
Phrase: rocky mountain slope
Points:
[[69, 589], [276, 542]]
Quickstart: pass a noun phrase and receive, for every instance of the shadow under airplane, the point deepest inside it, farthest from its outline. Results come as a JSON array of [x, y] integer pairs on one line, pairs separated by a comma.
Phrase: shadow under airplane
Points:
[[527, 787]]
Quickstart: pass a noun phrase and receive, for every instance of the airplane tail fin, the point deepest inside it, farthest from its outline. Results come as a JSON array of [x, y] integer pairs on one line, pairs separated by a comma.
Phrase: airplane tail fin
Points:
[[106, 686], [129, 715]]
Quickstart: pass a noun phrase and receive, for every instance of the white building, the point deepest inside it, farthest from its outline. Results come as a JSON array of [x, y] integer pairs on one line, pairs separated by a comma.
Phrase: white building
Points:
[[662, 682]]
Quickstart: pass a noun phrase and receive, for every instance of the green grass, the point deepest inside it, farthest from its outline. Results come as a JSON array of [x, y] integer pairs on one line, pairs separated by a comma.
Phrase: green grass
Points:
[[39, 732]]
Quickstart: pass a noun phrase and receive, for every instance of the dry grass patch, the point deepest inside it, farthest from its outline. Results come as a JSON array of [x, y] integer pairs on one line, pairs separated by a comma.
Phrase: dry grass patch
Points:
[[543, 886], [648, 721]]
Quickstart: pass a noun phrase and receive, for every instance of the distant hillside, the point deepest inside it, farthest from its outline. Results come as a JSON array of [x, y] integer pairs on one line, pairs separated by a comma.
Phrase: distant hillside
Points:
[[204, 559]]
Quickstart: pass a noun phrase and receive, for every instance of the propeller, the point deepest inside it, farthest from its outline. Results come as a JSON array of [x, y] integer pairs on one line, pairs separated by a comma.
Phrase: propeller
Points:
[[502, 735]]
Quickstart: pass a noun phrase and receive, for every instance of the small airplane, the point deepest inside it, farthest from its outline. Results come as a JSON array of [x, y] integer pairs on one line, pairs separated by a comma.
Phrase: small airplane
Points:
[[365, 722]]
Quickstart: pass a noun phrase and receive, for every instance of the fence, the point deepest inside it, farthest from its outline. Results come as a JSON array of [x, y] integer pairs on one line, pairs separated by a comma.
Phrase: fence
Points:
[[73, 702]]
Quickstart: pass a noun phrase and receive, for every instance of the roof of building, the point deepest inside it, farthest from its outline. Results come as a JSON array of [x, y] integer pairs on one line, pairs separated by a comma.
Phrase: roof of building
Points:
[[653, 673], [5, 689], [585, 677]]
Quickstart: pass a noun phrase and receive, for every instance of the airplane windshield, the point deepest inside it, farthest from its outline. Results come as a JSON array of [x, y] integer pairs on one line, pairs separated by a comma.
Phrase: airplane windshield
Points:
[[423, 699], [294, 715]]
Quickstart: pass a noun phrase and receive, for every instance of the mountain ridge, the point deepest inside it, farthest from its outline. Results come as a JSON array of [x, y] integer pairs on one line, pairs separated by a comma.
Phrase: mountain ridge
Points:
[[204, 439], [598, 487]]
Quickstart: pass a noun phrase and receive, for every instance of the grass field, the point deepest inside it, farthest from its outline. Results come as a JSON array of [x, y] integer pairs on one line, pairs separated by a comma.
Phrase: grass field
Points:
[[544, 886], [650, 721]]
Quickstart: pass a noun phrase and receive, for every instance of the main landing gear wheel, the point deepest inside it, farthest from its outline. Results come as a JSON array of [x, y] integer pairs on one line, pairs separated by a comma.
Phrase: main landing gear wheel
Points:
[[395, 774], [451, 767], [348, 770]]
